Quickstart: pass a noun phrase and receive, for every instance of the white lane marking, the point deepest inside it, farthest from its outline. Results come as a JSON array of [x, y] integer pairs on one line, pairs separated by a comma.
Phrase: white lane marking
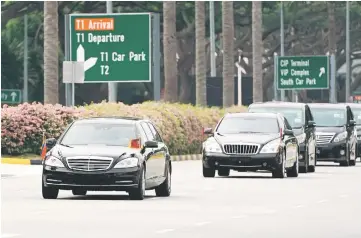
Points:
[[9, 235], [322, 201], [343, 196], [165, 231], [202, 223], [300, 206], [239, 217]]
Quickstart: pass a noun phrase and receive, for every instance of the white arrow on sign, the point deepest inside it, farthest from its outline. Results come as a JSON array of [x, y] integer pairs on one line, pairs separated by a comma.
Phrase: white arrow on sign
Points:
[[80, 57], [322, 71], [13, 96]]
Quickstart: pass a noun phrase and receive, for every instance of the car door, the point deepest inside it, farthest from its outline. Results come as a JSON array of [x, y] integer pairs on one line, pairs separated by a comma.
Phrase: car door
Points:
[[291, 145], [160, 153], [151, 159], [310, 136]]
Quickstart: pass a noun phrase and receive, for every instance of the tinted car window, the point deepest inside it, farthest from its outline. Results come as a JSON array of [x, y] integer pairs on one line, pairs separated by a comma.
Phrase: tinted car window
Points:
[[235, 125], [295, 116], [155, 133], [357, 115], [147, 131], [329, 116], [99, 133]]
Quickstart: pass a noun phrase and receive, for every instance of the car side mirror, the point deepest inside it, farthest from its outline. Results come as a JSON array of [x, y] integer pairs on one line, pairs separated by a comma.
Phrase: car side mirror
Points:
[[50, 142], [288, 132], [311, 124], [208, 131], [151, 144], [352, 123]]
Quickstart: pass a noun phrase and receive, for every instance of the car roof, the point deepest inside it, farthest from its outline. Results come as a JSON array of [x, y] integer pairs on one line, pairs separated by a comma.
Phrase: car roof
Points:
[[254, 114], [110, 120], [278, 104], [327, 105]]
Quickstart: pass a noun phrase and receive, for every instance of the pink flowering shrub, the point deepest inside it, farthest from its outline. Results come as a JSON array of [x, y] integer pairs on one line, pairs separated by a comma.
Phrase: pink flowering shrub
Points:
[[180, 125]]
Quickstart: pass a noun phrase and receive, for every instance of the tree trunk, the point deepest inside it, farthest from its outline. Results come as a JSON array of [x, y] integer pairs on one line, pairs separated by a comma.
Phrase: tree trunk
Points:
[[228, 59], [170, 52], [257, 49], [51, 48], [201, 87]]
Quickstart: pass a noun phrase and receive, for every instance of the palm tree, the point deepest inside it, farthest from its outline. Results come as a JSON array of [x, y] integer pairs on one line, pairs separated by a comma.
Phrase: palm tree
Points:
[[257, 49], [228, 59], [51, 47], [201, 87], [170, 52]]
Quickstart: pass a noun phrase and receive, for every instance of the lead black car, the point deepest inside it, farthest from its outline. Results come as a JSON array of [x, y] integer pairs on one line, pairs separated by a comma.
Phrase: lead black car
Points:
[[251, 142], [107, 154]]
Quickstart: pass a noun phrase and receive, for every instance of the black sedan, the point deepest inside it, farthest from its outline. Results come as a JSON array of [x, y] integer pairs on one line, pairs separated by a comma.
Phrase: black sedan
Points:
[[107, 154], [251, 142]]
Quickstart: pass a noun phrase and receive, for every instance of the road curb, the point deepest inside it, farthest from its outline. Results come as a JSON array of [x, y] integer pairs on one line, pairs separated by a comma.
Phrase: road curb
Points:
[[186, 157], [38, 161]]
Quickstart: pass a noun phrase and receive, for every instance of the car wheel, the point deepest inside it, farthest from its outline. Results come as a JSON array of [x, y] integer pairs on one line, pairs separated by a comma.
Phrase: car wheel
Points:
[[48, 192], [165, 188], [280, 172], [293, 172], [139, 192], [208, 172], [312, 168], [223, 172], [347, 162], [79, 192]]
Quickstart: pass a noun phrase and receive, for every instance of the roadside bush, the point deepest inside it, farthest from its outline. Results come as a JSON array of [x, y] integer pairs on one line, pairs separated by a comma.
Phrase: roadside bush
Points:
[[180, 125]]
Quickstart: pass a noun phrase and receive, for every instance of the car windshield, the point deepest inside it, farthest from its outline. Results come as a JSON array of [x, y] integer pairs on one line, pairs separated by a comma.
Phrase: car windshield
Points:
[[357, 115], [326, 117], [236, 125], [294, 116], [99, 133]]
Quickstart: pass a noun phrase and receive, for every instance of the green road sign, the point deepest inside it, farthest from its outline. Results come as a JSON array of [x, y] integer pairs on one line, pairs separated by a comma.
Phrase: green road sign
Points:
[[11, 96], [303, 72], [114, 47]]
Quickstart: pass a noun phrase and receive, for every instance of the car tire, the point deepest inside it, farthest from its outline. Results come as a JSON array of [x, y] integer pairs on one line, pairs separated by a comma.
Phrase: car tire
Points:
[[79, 192], [164, 190], [347, 162], [223, 172], [280, 172], [293, 172], [208, 172], [138, 193], [48, 192]]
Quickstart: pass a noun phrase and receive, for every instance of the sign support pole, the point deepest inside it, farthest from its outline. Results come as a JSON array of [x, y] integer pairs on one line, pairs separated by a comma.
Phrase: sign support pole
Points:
[[25, 94], [348, 65], [282, 46], [156, 56], [332, 97], [68, 89], [112, 87], [275, 79], [212, 40]]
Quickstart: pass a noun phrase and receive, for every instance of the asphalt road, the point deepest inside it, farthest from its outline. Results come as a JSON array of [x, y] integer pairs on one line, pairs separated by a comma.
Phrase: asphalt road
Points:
[[324, 204]]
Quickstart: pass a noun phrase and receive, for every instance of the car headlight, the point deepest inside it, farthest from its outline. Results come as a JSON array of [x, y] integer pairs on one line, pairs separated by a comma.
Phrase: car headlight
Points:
[[301, 138], [54, 162], [127, 163], [271, 147], [340, 137], [212, 146]]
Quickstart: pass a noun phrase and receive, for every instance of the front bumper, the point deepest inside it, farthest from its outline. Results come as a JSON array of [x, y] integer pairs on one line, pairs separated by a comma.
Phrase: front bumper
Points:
[[111, 180], [242, 163], [331, 152], [358, 148]]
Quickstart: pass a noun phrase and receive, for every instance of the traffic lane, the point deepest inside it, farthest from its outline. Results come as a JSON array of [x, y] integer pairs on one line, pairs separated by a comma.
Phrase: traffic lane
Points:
[[195, 201]]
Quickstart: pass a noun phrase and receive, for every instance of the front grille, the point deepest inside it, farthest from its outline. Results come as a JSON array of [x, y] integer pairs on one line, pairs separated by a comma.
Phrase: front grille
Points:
[[324, 138], [241, 149], [91, 163]]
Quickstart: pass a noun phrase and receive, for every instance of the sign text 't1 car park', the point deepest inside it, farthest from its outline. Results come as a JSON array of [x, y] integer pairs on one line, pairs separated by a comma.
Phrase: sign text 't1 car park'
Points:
[[114, 47], [303, 72]]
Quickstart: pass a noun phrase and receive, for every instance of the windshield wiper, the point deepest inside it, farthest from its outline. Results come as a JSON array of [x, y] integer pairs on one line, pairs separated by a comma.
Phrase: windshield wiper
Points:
[[66, 145]]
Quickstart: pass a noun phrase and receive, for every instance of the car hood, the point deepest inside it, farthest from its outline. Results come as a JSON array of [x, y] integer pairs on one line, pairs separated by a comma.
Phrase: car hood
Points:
[[93, 150], [245, 138], [330, 129]]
